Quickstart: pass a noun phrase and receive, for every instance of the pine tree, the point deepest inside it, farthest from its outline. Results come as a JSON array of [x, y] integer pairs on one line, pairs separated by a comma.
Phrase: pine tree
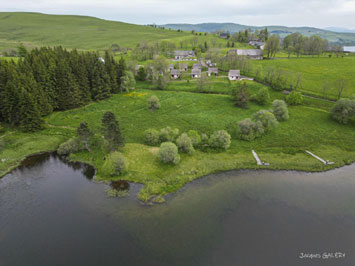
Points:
[[29, 116], [120, 71], [112, 132], [84, 134]]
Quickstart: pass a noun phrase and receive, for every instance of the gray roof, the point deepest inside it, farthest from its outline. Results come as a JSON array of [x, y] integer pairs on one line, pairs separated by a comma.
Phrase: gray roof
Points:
[[234, 73], [184, 53], [246, 52], [197, 66], [196, 71], [171, 66], [213, 70], [175, 72]]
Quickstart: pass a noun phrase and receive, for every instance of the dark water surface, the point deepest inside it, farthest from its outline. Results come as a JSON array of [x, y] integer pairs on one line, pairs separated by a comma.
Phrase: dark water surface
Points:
[[53, 213]]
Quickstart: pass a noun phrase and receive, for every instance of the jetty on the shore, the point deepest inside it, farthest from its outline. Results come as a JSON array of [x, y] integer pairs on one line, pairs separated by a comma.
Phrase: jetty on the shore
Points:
[[258, 161], [325, 162]]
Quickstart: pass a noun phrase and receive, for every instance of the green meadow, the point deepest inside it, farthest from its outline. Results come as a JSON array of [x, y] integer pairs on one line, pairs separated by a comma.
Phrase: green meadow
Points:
[[309, 127], [316, 72]]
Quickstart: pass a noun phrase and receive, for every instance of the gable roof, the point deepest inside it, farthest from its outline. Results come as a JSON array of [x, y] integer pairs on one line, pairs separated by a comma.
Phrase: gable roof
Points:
[[196, 71], [212, 70], [184, 53], [246, 52], [234, 73], [197, 66], [175, 72]]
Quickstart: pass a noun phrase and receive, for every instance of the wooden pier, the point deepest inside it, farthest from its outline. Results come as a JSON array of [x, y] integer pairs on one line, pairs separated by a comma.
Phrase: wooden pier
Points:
[[258, 161], [325, 162]]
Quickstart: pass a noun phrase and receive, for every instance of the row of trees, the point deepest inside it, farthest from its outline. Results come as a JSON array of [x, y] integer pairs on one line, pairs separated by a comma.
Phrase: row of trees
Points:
[[50, 79], [298, 44], [247, 35]]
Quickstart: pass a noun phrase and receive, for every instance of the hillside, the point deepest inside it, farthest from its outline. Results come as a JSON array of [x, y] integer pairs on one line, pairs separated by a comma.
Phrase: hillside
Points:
[[88, 33], [334, 37]]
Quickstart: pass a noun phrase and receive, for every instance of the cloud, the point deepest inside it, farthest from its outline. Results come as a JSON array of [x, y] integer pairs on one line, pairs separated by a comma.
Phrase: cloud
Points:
[[320, 13]]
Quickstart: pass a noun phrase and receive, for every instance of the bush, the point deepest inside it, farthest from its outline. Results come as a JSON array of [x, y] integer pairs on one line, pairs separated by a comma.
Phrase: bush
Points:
[[343, 110], [168, 153], [262, 97], [241, 96], [220, 140], [115, 164], [119, 162], [153, 103], [68, 147], [267, 119], [280, 111], [294, 98], [184, 144], [249, 130], [168, 134], [151, 136], [195, 137]]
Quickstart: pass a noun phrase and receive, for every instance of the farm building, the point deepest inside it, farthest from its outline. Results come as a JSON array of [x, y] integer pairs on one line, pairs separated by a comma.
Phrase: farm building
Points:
[[257, 44], [212, 71], [196, 73], [197, 66], [249, 53], [171, 67], [234, 75], [175, 73], [180, 55]]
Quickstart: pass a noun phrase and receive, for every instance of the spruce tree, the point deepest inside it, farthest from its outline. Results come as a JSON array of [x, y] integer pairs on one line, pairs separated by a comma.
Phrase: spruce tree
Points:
[[29, 116], [112, 132], [84, 134]]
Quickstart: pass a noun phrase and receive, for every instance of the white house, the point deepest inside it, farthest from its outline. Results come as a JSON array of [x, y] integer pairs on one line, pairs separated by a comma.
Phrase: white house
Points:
[[234, 75]]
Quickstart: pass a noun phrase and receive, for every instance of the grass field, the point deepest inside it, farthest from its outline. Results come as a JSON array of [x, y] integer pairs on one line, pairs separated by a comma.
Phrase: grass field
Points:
[[309, 127], [317, 71], [81, 32]]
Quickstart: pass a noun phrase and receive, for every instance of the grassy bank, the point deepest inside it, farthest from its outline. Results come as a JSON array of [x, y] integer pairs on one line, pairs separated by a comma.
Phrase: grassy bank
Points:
[[309, 127], [316, 72]]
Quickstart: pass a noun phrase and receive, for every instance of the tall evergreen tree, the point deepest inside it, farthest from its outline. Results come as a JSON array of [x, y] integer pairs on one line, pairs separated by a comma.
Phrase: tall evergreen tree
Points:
[[112, 132], [84, 134], [29, 116]]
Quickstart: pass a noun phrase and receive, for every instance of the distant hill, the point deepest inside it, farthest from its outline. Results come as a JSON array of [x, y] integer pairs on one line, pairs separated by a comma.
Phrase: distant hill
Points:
[[88, 33], [336, 29], [331, 36]]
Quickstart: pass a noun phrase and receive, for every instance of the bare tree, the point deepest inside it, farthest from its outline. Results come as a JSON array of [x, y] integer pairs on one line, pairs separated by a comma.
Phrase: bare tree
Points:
[[341, 85]]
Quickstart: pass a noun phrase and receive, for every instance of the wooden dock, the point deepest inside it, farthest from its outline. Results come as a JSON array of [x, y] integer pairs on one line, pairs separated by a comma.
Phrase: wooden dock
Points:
[[258, 161], [325, 162]]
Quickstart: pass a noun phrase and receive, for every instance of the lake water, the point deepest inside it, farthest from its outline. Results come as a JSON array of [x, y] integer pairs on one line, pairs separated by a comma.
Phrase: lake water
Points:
[[53, 213]]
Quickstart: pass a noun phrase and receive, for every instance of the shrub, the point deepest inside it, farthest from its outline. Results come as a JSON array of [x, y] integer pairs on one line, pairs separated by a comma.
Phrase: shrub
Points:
[[343, 110], [168, 134], [119, 162], [294, 98], [70, 146], [115, 164], [153, 103], [184, 144], [195, 137], [249, 130], [220, 140], [267, 119], [141, 74], [280, 111], [262, 97], [168, 153], [241, 96], [151, 136]]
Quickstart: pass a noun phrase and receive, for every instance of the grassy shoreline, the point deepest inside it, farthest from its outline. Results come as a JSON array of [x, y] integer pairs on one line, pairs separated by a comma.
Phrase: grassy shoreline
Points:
[[309, 128]]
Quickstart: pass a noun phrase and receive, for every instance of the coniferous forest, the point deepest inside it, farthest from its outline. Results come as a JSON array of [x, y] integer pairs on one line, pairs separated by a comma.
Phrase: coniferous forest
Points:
[[51, 79]]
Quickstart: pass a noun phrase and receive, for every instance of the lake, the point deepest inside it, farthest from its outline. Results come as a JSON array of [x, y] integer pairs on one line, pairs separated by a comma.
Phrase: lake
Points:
[[53, 213]]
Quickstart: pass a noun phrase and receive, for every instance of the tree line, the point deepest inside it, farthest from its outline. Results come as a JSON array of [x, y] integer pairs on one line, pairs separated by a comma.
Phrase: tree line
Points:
[[54, 79]]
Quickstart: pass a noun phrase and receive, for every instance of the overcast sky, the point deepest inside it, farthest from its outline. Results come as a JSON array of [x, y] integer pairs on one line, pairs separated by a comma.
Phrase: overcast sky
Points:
[[317, 13]]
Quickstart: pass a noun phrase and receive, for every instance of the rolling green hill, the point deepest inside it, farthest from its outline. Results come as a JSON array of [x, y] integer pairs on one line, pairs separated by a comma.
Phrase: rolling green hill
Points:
[[81, 32], [334, 37]]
